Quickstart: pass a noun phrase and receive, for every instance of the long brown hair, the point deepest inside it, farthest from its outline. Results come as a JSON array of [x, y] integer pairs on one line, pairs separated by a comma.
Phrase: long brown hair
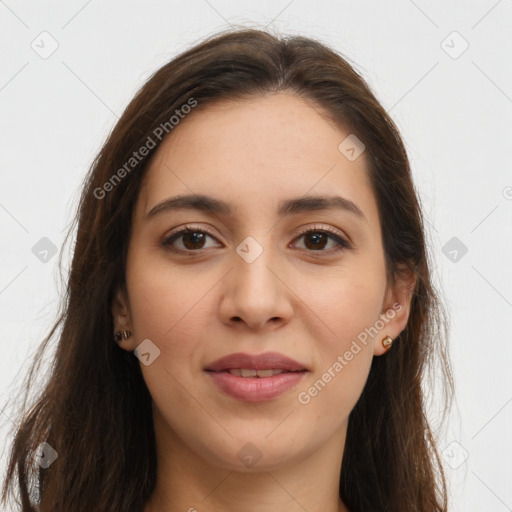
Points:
[[95, 410]]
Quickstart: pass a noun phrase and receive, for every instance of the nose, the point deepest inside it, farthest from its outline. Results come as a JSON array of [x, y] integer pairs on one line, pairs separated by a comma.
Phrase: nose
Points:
[[255, 294]]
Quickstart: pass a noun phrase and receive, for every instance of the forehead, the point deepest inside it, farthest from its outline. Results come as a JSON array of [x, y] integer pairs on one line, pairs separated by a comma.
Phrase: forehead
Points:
[[257, 152]]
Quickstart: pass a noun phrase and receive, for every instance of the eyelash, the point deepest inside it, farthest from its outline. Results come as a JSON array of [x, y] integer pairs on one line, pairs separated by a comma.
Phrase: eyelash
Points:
[[343, 244]]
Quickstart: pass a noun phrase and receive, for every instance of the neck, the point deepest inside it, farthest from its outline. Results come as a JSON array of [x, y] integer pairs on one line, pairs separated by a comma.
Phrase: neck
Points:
[[188, 482]]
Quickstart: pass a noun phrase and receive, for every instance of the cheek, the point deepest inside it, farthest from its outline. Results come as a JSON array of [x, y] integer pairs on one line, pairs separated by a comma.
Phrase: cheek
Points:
[[349, 307], [170, 308], [347, 303], [166, 302]]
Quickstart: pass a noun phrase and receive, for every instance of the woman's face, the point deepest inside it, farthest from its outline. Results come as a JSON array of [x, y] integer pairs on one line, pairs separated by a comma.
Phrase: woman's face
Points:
[[245, 280]]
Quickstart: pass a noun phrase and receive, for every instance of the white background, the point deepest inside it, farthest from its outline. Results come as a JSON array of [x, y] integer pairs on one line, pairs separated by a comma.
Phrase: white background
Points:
[[454, 115]]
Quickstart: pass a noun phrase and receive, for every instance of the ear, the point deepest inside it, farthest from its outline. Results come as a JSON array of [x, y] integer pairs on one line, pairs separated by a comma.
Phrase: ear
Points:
[[122, 318], [396, 307]]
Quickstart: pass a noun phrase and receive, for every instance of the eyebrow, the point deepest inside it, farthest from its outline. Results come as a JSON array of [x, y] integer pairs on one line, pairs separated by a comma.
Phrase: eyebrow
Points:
[[213, 205]]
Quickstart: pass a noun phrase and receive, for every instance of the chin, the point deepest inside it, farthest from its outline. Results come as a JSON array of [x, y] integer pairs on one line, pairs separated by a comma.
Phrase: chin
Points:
[[255, 452]]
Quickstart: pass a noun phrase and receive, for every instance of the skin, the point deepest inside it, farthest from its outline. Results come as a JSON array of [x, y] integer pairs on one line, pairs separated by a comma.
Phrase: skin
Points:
[[305, 302]]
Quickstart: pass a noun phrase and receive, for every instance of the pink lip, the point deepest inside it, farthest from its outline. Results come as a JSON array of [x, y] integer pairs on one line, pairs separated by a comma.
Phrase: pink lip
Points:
[[265, 361], [256, 389]]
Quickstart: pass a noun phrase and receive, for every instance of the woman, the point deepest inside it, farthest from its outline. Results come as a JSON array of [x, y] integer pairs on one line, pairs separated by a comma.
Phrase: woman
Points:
[[250, 312]]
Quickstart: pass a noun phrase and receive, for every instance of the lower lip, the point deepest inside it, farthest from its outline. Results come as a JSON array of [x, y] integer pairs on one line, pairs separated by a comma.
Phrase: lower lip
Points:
[[255, 389]]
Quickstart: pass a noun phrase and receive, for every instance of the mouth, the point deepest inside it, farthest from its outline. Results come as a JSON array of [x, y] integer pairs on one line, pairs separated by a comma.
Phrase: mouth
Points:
[[257, 378], [253, 373], [261, 363]]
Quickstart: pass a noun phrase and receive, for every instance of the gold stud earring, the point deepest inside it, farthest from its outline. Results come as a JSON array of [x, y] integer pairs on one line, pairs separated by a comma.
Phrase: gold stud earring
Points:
[[387, 342]]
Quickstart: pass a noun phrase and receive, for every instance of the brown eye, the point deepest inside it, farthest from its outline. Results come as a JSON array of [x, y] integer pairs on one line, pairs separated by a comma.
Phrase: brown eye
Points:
[[316, 240], [192, 239]]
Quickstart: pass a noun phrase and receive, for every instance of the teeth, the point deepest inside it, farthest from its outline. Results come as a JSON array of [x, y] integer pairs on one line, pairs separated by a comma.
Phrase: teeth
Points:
[[268, 373], [250, 372]]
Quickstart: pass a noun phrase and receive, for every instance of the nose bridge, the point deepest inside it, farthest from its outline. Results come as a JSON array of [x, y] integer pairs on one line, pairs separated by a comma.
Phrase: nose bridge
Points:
[[253, 263], [253, 291]]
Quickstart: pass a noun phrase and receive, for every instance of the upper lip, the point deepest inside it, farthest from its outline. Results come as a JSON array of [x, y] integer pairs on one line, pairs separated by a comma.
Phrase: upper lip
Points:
[[265, 361]]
